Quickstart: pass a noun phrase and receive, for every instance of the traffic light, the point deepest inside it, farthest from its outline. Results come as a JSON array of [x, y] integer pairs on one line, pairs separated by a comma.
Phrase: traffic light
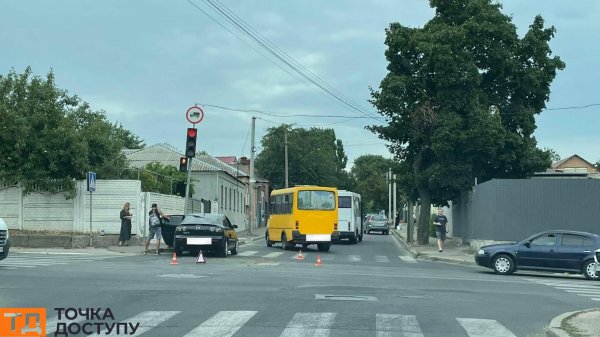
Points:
[[190, 144], [183, 164]]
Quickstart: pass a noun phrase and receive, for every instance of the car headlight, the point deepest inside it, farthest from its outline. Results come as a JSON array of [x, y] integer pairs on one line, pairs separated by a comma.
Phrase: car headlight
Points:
[[180, 228], [216, 229], [481, 252]]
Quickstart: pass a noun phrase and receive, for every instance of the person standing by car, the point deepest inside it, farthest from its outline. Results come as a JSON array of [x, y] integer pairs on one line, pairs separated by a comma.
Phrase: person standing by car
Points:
[[154, 224], [440, 222], [125, 234]]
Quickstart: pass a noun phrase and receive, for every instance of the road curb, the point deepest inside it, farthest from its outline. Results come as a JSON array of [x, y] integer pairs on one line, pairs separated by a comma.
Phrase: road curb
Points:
[[554, 328], [412, 252]]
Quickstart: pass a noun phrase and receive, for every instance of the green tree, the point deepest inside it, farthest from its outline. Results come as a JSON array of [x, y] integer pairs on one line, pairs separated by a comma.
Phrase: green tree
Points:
[[461, 95], [554, 156], [163, 179], [48, 138], [369, 173], [130, 140], [315, 157]]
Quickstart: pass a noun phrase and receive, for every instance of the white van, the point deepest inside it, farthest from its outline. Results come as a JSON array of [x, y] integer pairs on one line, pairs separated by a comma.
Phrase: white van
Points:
[[4, 242], [350, 222]]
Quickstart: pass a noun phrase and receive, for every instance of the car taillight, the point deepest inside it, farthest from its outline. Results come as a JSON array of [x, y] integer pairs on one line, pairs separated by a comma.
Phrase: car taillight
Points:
[[297, 224], [348, 225], [335, 226]]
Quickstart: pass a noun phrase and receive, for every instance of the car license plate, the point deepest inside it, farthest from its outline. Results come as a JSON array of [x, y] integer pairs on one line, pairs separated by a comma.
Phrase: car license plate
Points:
[[199, 241], [318, 237]]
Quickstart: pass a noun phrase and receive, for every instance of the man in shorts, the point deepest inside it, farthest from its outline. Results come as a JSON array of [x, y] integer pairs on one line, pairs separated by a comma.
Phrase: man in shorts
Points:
[[154, 230], [440, 222]]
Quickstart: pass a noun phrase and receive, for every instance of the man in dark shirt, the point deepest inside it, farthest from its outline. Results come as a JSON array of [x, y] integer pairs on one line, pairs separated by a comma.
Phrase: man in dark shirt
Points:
[[440, 222]]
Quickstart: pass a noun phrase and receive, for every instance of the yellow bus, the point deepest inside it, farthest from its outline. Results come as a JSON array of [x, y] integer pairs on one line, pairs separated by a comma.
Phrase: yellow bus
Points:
[[303, 215]]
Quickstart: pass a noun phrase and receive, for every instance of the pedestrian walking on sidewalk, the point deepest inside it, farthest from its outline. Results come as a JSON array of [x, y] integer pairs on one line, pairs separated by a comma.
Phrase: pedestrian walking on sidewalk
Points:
[[125, 234], [155, 217], [440, 222], [397, 221]]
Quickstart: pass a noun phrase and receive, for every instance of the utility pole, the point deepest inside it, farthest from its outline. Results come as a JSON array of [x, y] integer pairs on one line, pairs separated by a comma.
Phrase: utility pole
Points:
[[252, 181], [395, 200], [409, 222], [286, 159], [389, 179], [187, 186]]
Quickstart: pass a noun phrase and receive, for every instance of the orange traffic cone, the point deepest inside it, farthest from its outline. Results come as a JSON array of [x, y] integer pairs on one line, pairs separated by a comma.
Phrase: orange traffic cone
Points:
[[318, 264], [174, 259], [200, 258], [300, 257]]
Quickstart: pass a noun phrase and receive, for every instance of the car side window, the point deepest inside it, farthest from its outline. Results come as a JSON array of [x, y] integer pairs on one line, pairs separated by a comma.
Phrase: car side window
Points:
[[570, 240], [544, 240]]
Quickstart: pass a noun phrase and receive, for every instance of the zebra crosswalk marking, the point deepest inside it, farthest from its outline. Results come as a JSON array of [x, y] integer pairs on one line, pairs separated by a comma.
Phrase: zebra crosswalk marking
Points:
[[223, 324], [578, 287], [381, 258], [484, 328], [248, 253], [388, 325], [409, 259], [309, 325], [147, 321], [273, 254], [354, 258], [230, 323]]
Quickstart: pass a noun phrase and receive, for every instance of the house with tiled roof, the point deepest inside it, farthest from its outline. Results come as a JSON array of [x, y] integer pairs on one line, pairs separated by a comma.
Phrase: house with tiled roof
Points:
[[222, 188]]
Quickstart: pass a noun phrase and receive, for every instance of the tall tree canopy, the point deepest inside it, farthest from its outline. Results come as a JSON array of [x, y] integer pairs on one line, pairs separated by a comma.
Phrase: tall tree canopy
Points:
[[461, 95], [369, 173], [48, 137], [315, 157]]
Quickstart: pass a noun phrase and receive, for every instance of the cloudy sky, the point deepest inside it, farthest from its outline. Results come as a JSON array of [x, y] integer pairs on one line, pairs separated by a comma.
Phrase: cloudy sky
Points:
[[146, 62]]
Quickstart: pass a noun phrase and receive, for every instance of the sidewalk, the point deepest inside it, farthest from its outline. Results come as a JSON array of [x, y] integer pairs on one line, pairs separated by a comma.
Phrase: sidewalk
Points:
[[137, 249], [584, 323]]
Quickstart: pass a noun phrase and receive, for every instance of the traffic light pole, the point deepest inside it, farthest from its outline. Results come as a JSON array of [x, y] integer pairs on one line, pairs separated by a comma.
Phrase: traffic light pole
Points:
[[187, 186]]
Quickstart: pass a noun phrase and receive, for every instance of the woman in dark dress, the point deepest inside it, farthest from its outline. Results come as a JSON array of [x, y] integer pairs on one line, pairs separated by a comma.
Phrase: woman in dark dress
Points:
[[125, 234]]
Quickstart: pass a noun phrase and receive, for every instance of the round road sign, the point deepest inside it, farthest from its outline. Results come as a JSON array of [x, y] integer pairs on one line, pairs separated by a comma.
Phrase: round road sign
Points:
[[194, 114]]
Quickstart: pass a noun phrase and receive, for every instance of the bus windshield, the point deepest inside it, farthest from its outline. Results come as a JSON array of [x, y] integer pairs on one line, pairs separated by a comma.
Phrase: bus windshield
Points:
[[316, 200]]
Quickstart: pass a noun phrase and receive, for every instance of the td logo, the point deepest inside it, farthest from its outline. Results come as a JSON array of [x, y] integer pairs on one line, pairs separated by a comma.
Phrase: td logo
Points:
[[22, 322]]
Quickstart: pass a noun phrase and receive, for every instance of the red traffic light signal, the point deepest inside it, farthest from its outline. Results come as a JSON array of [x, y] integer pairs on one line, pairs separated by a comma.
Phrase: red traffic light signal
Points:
[[190, 143], [183, 164]]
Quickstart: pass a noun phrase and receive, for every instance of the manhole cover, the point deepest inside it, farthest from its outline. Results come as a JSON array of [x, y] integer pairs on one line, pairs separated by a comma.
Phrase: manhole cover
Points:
[[346, 298]]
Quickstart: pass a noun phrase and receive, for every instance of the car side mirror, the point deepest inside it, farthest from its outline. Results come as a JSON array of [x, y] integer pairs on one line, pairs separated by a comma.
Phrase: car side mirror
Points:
[[528, 244], [234, 226]]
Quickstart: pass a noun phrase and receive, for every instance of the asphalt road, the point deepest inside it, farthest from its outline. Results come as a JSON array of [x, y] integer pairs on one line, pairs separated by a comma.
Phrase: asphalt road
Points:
[[373, 288]]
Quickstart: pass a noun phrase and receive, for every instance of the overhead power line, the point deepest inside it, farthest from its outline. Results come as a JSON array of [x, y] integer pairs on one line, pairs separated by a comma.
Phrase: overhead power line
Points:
[[287, 60], [276, 114]]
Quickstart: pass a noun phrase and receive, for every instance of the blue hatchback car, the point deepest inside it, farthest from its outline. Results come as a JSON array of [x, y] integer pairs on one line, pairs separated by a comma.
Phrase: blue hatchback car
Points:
[[554, 251]]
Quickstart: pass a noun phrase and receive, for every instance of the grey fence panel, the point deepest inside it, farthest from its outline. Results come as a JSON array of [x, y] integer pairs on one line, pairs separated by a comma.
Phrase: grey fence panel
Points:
[[505, 210]]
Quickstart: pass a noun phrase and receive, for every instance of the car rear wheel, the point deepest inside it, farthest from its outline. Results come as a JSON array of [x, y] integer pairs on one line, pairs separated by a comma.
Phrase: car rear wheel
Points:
[[269, 242], [224, 248], [589, 270], [503, 264]]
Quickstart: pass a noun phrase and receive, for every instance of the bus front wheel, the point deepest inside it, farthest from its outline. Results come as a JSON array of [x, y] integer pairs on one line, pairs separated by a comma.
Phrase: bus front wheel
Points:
[[323, 247]]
